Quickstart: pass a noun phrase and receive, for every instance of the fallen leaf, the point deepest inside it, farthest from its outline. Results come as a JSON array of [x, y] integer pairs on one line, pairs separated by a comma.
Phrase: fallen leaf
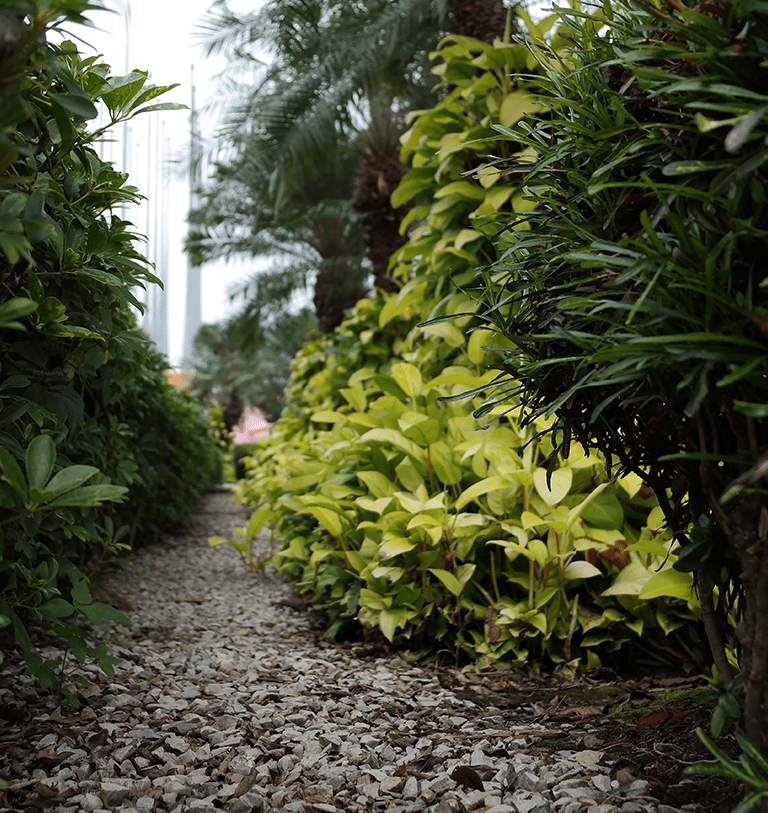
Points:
[[588, 757], [578, 713], [47, 793], [467, 777], [13, 713], [661, 718], [246, 783]]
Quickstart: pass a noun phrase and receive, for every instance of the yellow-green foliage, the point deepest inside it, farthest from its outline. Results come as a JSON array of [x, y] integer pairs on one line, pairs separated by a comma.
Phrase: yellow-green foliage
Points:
[[393, 506]]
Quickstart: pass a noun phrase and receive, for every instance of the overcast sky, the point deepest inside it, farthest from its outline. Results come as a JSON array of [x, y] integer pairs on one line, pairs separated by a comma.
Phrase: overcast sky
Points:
[[161, 39]]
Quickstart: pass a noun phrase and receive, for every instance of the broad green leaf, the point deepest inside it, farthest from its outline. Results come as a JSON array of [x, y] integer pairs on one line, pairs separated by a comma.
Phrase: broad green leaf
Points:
[[631, 483], [477, 340], [390, 620], [356, 397], [395, 546], [378, 506], [16, 309], [160, 106], [258, 520], [12, 474], [414, 503], [392, 574], [329, 519], [98, 612], [418, 427], [78, 104], [579, 569], [328, 417], [464, 573], [463, 189], [446, 331], [517, 105], [539, 551], [90, 496], [537, 620], [463, 378], [372, 599], [443, 464], [41, 496], [394, 438], [388, 384], [40, 459], [356, 561], [605, 511], [378, 484], [298, 548], [71, 477], [448, 579], [81, 593], [409, 476], [553, 490], [629, 581], [323, 554], [123, 90], [55, 608], [408, 378], [530, 520], [300, 484], [69, 331], [579, 509], [669, 583], [478, 489]]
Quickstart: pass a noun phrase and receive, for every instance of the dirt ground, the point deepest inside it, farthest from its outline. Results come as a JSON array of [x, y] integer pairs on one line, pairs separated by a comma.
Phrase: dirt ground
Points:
[[646, 724]]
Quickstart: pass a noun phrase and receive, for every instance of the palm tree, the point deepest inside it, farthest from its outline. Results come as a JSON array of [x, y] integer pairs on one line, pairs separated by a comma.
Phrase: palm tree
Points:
[[303, 219], [341, 72], [236, 366]]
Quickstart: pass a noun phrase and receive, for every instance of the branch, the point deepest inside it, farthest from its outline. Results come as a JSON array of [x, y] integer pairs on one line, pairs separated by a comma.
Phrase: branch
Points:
[[47, 375]]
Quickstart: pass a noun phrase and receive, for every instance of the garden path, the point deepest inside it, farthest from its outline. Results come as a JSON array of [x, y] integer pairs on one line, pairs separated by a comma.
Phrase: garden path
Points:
[[227, 697]]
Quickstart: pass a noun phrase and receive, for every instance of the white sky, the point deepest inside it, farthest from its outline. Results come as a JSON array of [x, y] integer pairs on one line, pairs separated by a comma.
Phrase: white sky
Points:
[[161, 40]]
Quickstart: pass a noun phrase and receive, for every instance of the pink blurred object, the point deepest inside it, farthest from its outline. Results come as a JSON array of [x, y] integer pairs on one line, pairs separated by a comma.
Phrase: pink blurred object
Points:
[[252, 426]]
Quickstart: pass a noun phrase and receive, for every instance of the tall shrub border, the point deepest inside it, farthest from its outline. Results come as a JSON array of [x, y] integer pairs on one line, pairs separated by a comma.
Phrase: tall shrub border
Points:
[[635, 289], [393, 509], [90, 430]]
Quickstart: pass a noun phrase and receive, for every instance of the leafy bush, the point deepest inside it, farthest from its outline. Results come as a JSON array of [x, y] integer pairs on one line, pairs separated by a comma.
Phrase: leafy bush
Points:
[[396, 512], [88, 417], [635, 288]]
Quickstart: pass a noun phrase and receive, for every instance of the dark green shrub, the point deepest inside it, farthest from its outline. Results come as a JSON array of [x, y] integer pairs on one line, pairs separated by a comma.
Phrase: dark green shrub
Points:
[[239, 452], [635, 290], [88, 417]]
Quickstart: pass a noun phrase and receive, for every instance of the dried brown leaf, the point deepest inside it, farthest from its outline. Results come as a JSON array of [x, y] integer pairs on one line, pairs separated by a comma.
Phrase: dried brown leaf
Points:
[[467, 777]]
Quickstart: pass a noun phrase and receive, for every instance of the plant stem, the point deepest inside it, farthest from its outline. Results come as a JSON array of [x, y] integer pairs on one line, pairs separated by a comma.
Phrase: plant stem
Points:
[[493, 576], [711, 628]]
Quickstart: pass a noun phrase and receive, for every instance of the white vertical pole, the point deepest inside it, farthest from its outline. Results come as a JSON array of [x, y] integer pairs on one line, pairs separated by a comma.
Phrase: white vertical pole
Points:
[[161, 261], [193, 311]]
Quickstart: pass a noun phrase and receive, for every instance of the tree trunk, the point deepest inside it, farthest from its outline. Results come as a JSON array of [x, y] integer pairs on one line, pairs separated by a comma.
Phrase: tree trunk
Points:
[[337, 289], [482, 19], [380, 173]]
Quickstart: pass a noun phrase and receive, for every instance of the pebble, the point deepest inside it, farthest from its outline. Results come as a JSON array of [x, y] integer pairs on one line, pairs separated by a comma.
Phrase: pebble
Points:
[[227, 698]]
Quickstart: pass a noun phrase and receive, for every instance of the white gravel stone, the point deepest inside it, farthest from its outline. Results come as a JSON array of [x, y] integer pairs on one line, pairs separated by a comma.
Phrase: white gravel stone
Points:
[[228, 698]]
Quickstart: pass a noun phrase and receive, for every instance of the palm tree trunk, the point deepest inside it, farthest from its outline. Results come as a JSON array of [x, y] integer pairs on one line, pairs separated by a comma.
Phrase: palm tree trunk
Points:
[[482, 19], [380, 172]]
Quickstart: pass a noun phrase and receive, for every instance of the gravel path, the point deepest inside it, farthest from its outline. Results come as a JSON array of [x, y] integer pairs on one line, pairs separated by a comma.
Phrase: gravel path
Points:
[[229, 699]]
